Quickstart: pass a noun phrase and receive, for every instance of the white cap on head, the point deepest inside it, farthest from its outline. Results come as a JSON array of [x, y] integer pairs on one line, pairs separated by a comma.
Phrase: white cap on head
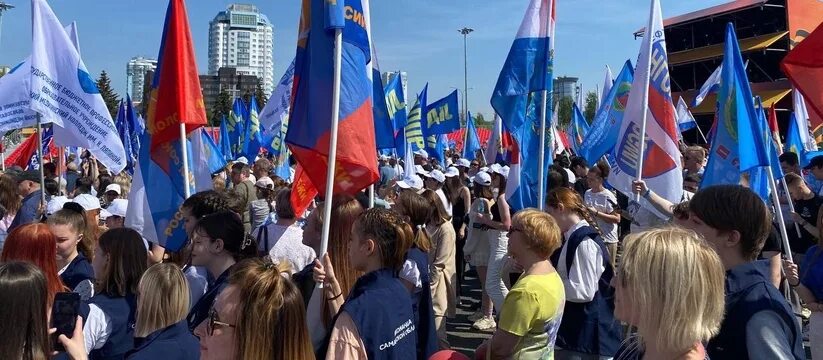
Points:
[[452, 172], [383, 157], [113, 187], [482, 178], [242, 160], [87, 201], [413, 182], [484, 169], [419, 170], [437, 175], [464, 163], [55, 204], [116, 208], [422, 153], [502, 170], [265, 182], [572, 178]]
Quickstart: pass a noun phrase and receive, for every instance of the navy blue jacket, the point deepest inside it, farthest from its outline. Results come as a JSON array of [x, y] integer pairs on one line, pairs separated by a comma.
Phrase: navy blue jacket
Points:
[[423, 306], [121, 311], [172, 343], [200, 311], [749, 291], [28, 210], [381, 309], [590, 327], [79, 269]]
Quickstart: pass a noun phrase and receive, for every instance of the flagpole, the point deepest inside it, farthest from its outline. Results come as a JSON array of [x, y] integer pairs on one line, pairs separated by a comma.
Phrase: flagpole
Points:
[[187, 180], [781, 225], [371, 196], [335, 117], [701, 134], [645, 108], [40, 161], [3, 153], [541, 176], [791, 205]]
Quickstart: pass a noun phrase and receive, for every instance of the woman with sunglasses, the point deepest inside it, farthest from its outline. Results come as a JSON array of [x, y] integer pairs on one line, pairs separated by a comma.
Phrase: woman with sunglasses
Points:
[[218, 242], [259, 315], [161, 330], [120, 261]]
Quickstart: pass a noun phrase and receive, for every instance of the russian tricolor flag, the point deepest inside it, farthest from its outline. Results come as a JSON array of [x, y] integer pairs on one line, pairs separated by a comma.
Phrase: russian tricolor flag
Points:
[[309, 130], [526, 73]]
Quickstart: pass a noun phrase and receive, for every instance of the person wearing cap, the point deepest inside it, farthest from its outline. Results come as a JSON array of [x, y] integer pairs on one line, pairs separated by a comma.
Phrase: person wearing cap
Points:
[[477, 248], [115, 215], [261, 208], [398, 169], [113, 191], [421, 157], [412, 183], [387, 171], [244, 187], [815, 169], [434, 182], [28, 186], [497, 225]]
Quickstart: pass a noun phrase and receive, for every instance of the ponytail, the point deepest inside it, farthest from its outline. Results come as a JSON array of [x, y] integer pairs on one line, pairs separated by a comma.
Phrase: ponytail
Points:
[[227, 226], [73, 215], [393, 236], [587, 215], [418, 211], [570, 199]]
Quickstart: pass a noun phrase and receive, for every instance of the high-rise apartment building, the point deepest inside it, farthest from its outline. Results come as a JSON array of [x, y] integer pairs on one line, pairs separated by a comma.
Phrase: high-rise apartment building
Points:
[[136, 76], [565, 86], [242, 38]]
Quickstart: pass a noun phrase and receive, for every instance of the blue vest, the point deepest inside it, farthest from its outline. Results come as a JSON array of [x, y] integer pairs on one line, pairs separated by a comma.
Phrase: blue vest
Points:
[[172, 343], [200, 311], [78, 270], [121, 311], [590, 327], [748, 291], [381, 309], [423, 307]]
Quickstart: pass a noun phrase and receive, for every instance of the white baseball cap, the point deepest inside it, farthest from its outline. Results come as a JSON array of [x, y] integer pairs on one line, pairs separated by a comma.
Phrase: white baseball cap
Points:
[[412, 182], [116, 208], [437, 175], [242, 160], [464, 163], [419, 170], [422, 153], [452, 172], [482, 178], [484, 169], [265, 182], [502, 170], [87, 201], [113, 187], [55, 204]]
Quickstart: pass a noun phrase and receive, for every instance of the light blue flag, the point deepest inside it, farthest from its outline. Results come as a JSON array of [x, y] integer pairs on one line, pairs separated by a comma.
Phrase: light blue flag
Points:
[[604, 130], [274, 119], [396, 105], [578, 128], [758, 176], [122, 125], [253, 140], [794, 142], [136, 129], [472, 140], [442, 116], [225, 143], [710, 86], [235, 124], [738, 144], [523, 181], [208, 159]]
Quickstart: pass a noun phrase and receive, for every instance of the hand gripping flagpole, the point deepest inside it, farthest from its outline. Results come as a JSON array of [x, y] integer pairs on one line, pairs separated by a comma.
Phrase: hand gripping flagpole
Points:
[[40, 162], [648, 35], [187, 180], [335, 117]]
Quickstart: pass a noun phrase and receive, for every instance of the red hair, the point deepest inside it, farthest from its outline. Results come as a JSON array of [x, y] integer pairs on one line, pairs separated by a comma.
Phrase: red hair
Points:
[[36, 244]]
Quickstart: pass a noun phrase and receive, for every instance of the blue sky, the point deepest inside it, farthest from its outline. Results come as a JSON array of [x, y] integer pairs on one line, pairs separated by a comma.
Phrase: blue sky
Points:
[[416, 36]]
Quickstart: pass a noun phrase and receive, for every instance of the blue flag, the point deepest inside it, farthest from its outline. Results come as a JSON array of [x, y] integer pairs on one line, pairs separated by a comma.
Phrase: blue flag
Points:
[[225, 143], [208, 159], [122, 125], [442, 116], [525, 160], [396, 102], [604, 130], [738, 143], [411, 135], [383, 127], [253, 140], [472, 141], [137, 126], [578, 128], [47, 136], [236, 128], [758, 176]]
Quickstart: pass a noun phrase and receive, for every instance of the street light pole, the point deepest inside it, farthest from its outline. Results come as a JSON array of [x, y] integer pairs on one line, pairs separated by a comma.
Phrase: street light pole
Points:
[[465, 31], [3, 8]]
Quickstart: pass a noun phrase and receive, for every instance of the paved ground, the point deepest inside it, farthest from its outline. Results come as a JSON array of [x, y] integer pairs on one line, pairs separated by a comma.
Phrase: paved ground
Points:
[[461, 335]]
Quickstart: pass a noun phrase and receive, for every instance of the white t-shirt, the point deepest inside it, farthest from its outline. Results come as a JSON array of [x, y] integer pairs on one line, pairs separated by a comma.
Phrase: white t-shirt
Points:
[[602, 202], [286, 243]]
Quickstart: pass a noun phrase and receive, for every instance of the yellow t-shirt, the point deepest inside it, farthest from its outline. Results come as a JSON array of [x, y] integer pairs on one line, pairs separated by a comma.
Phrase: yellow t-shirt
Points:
[[533, 310]]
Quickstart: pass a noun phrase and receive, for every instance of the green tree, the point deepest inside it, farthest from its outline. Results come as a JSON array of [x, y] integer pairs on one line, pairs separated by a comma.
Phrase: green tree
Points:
[[564, 112], [222, 107], [260, 95], [591, 106], [109, 96]]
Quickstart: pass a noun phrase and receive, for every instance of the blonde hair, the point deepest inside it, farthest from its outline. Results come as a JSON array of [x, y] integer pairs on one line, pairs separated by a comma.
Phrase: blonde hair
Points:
[[541, 233], [675, 283], [124, 180], [163, 300]]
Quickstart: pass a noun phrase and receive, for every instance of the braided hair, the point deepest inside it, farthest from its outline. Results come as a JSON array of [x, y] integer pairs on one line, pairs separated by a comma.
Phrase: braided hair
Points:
[[570, 199]]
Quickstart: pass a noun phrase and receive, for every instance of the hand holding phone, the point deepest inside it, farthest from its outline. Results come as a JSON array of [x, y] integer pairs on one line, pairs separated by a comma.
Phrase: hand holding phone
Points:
[[64, 316]]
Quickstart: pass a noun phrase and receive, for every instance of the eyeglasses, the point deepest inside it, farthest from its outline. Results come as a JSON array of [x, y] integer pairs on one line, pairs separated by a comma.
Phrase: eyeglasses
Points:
[[213, 321], [513, 230]]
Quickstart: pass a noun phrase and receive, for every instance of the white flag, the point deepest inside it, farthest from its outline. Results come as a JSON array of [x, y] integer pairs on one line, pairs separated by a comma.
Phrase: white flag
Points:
[[62, 90], [802, 116], [607, 85]]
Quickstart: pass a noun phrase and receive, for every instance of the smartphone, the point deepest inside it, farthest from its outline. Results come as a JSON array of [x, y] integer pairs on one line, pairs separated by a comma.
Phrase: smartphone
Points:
[[64, 316]]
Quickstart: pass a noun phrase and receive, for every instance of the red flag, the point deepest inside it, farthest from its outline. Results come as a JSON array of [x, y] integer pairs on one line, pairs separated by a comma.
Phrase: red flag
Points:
[[303, 191], [176, 96], [775, 129], [23, 153], [804, 67]]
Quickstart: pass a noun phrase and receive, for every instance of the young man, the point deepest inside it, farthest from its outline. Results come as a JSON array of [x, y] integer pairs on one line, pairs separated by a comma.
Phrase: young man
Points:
[[759, 323], [693, 159], [815, 175], [579, 168], [244, 188], [806, 208]]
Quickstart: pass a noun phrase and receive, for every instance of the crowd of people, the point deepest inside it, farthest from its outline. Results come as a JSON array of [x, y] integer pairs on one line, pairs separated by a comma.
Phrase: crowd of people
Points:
[[586, 278]]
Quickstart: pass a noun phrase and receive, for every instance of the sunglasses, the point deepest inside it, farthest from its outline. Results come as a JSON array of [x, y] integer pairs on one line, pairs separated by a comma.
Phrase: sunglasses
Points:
[[213, 321]]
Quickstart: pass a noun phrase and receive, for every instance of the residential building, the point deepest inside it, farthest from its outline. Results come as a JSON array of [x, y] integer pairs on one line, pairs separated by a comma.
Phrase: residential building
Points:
[[136, 71], [565, 86], [230, 80], [4, 70], [242, 38]]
